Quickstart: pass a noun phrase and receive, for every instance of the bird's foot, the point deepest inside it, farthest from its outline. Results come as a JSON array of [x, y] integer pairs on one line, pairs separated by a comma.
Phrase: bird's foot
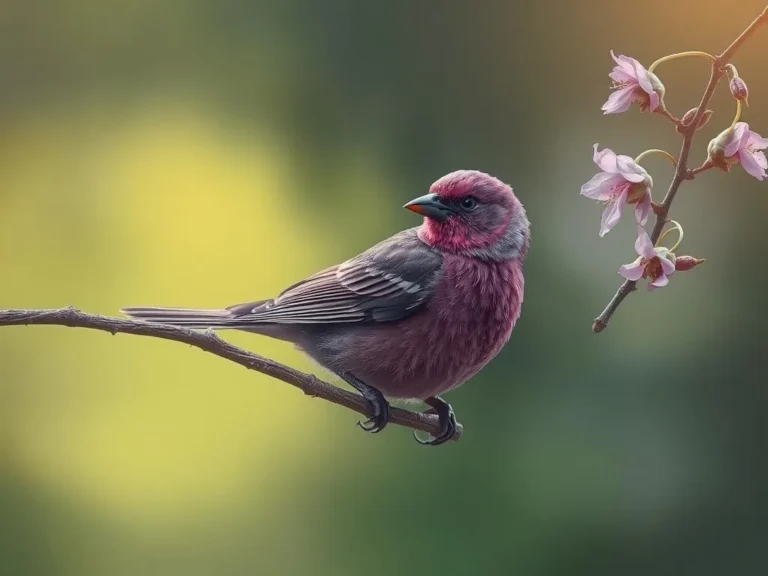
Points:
[[379, 404], [447, 418]]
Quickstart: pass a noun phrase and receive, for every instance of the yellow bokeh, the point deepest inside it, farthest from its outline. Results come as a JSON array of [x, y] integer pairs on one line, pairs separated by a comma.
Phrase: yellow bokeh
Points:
[[165, 207]]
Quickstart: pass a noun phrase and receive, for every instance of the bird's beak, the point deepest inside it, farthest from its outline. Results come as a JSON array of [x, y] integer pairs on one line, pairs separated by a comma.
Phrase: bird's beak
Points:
[[430, 206]]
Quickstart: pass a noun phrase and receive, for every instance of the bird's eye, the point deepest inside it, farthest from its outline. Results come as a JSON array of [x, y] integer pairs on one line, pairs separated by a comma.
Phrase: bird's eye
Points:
[[469, 203]]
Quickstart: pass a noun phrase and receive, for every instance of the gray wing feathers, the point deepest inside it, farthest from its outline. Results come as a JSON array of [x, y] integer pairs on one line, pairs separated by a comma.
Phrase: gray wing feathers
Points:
[[188, 317], [387, 282]]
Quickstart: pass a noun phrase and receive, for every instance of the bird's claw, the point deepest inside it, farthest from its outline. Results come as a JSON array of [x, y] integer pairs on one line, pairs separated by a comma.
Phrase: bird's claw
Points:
[[380, 416], [370, 425], [448, 425], [379, 405]]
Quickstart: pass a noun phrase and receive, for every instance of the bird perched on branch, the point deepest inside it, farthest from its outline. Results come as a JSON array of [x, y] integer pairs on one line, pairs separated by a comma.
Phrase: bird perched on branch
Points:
[[412, 317]]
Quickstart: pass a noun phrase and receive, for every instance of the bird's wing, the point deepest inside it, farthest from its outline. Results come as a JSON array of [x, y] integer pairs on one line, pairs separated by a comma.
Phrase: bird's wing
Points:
[[387, 282]]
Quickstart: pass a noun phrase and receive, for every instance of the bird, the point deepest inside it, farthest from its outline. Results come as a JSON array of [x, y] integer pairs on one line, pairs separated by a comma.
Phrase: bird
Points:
[[414, 316]]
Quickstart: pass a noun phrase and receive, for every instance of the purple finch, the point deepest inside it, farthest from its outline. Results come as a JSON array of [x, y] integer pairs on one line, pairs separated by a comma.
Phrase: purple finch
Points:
[[412, 317]]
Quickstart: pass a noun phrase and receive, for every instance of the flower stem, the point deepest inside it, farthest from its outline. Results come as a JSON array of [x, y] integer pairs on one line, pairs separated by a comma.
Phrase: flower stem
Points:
[[669, 116], [738, 113], [677, 227], [696, 53], [706, 166], [656, 151]]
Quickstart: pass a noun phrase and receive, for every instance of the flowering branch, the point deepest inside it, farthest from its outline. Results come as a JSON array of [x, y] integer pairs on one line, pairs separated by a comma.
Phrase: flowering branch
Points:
[[208, 341], [635, 84]]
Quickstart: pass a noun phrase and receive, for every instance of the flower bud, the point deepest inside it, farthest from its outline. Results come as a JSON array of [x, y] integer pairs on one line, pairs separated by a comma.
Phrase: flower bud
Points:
[[739, 89], [688, 118], [683, 263]]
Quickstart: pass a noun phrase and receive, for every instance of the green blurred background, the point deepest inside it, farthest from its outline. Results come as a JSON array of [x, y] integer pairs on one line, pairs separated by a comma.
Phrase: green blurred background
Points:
[[205, 153]]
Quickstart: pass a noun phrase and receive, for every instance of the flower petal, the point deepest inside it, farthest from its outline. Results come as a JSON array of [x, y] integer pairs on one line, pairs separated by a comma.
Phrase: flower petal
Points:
[[760, 159], [742, 134], [625, 63], [643, 209], [751, 164], [631, 170], [644, 246], [660, 282], [612, 213], [757, 142], [642, 77], [606, 159], [653, 101], [734, 139], [602, 186], [619, 100], [667, 266], [633, 271], [621, 76]]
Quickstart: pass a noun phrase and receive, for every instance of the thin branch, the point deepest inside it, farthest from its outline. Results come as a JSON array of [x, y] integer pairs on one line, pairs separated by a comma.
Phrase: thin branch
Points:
[[669, 116], [703, 168], [729, 52], [682, 171], [208, 341]]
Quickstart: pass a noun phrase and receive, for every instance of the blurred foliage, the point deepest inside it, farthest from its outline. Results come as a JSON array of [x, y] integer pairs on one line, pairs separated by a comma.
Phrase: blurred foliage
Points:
[[206, 153]]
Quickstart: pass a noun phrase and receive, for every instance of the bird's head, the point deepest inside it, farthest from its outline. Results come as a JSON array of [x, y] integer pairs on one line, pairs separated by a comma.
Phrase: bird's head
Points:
[[469, 212]]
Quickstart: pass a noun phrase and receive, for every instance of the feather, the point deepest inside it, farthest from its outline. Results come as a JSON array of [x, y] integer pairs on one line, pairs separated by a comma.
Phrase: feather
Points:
[[388, 282], [385, 283]]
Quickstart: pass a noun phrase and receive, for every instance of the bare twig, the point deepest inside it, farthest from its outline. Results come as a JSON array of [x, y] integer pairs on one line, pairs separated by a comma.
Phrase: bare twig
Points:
[[729, 52], [708, 165], [669, 116], [682, 171], [210, 342]]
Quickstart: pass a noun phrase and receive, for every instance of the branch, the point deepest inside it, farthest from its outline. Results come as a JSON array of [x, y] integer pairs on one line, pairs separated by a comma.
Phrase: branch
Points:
[[729, 52], [208, 341], [682, 172]]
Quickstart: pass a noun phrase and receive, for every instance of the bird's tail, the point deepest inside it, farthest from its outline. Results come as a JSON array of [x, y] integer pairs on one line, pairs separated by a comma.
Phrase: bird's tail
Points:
[[186, 317]]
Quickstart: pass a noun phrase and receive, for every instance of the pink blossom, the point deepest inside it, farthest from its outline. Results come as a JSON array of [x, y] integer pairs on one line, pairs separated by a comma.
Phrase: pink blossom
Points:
[[622, 181], [739, 144], [633, 83], [656, 264]]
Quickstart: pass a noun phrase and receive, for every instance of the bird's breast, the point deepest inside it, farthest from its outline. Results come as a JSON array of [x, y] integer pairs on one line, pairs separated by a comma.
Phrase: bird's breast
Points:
[[464, 325], [476, 307]]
